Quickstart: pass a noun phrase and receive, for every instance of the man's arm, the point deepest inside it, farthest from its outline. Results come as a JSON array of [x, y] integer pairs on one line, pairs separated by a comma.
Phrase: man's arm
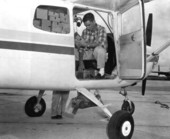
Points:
[[102, 39], [85, 43]]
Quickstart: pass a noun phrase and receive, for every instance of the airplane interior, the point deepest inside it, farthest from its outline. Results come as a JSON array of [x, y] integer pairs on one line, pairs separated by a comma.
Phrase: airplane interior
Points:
[[86, 67]]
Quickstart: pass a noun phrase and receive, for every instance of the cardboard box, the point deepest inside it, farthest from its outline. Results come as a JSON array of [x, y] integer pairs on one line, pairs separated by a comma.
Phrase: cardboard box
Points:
[[66, 28], [54, 18], [51, 13], [58, 28], [41, 13], [54, 24], [67, 18], [61, 10], [56, 15], [62, 17], [86, 74], [46, 28], [46, 25], [37, 23], [46, 22]]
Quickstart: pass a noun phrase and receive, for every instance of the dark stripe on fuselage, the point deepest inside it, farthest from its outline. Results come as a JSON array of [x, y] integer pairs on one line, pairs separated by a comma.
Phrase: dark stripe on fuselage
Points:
[[36, 47]]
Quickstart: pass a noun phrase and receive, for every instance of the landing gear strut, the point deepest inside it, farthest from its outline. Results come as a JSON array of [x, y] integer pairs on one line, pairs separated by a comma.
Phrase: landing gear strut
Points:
[[121, 123], [127, 105]]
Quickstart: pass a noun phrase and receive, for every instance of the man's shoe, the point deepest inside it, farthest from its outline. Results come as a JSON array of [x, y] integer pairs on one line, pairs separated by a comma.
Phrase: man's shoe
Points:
[[98, 76], [57, 117]]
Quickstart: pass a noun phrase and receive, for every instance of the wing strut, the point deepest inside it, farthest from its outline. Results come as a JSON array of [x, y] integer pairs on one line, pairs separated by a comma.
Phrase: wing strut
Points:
[[91, 96]]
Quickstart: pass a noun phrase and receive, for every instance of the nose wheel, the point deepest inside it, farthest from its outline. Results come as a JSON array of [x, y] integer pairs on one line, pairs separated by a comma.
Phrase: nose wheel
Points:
[[120, 126]]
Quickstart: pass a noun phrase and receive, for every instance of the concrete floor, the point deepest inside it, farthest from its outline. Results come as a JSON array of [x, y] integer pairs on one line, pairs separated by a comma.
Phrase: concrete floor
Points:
[[151, 121]]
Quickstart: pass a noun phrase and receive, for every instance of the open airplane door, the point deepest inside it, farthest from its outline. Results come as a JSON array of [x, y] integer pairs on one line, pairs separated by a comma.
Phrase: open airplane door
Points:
[[131, 49]]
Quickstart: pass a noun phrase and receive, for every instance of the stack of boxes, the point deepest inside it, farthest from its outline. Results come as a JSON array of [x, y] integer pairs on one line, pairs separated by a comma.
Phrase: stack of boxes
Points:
[[54, 20]]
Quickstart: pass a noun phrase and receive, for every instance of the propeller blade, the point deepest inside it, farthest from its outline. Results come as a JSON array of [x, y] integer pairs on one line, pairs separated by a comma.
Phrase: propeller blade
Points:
[[149, 30], [144, 86]]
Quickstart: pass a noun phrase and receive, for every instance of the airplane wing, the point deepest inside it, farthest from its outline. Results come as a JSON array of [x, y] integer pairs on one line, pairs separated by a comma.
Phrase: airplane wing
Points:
[[115, 5], [166, 73]]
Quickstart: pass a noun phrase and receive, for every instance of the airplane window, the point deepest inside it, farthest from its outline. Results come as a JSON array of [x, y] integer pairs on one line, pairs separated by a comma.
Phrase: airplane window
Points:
[[131, 20], [52, 19]]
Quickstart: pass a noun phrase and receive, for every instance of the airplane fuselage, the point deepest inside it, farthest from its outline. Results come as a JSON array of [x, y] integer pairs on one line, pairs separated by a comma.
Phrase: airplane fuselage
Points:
[[34, 59]]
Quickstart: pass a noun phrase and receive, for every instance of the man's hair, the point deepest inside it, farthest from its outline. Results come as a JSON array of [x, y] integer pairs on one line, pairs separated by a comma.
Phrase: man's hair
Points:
[[88, 17]]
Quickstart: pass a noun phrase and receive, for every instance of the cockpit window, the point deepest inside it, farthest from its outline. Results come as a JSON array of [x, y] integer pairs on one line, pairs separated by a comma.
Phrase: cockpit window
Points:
[[52, 19]]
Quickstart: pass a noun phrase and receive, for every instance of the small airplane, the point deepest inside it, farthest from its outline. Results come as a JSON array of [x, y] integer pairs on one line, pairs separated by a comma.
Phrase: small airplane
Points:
[[37, 52]]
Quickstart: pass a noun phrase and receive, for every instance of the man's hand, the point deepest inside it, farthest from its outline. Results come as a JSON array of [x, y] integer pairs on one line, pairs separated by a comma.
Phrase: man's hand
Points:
[[80, 43], [83, 43]]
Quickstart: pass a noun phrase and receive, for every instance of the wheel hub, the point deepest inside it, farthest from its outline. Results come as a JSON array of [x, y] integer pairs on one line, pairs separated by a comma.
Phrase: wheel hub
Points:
[[126, 128], [37, 108]]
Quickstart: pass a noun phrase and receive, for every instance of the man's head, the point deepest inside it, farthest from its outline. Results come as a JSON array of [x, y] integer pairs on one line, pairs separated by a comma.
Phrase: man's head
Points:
[[89, 21]]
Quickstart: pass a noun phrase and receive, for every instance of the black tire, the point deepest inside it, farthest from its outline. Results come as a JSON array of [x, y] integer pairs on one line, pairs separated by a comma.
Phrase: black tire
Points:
[[126, 107], [30, 107], [120, 126]]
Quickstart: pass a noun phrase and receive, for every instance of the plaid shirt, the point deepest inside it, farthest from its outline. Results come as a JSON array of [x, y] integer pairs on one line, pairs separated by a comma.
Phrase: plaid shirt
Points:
[[98, 36]]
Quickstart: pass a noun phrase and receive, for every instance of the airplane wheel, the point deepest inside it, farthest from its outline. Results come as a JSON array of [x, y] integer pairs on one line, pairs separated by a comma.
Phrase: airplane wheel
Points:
[[126, 106], [33, 110], [120, 126]]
